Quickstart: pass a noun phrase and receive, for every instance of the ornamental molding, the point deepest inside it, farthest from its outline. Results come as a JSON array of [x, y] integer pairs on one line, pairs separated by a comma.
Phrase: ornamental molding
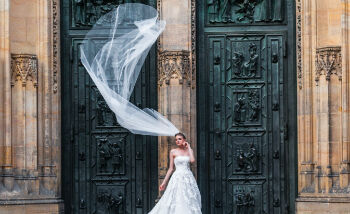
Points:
[[24, 67], [55, 44], [174, 65], [299, 44], [193, 42], [328, 62]]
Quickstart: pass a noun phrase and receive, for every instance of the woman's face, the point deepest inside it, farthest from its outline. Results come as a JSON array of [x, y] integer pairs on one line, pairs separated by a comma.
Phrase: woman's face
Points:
[[180, 141]]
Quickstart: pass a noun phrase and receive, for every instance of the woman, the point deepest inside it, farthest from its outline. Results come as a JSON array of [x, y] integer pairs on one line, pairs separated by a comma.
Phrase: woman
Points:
[[182, 194]]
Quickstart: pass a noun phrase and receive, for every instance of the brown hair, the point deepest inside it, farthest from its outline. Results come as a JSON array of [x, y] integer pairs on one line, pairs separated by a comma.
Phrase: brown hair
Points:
[[181, 134]]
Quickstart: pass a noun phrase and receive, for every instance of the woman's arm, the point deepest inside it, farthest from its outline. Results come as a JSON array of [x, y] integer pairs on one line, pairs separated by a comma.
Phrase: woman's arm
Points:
[[169, 172], [190, 151]]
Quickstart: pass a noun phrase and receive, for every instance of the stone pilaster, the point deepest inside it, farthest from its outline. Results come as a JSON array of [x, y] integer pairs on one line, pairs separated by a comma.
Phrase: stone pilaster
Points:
[[323, 105], [176, 75], [344, 174], [6, 182], [30, 107]]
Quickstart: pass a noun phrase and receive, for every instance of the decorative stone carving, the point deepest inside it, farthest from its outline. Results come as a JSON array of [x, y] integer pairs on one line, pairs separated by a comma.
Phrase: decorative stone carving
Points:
[[55, 44], [174, 65], [24, 68], [193, 41], [244, 11], [299, 44], [328, 62]]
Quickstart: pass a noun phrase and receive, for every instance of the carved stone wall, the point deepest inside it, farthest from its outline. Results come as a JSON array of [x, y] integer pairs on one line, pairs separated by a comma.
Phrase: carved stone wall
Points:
[[328, 62], [30, 156], [323, 106], [176, 75], [24, 68], [23, 178], [174, 65]]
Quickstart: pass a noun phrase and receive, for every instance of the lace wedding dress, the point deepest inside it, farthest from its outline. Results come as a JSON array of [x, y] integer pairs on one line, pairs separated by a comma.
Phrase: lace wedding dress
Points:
[[182, 195]]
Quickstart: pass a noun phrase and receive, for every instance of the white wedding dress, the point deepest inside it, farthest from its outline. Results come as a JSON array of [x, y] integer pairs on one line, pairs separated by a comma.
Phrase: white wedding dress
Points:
[[182, 195]]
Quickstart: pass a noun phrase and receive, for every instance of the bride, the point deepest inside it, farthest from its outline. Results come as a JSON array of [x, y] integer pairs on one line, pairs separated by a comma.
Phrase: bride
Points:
[[182, 194]]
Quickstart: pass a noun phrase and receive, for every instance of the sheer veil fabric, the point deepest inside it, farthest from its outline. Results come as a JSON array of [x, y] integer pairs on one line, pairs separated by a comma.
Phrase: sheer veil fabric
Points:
[[131, 29]]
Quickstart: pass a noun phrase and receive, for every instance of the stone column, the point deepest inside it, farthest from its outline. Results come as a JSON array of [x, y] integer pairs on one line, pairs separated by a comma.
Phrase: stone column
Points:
[[30, 107], [323, 106], [176, 75]]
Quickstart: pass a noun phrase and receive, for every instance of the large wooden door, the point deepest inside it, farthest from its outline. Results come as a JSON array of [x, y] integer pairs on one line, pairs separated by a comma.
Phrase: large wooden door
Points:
[[106, 169], [246, 61]]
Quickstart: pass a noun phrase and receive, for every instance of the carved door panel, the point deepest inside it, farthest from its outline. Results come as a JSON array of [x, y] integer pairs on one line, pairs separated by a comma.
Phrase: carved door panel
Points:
[[246, 60], [106, 169], [247, 112]]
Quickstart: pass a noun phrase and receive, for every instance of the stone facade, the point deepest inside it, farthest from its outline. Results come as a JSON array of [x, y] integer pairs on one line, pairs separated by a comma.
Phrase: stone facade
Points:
[[323, 106], [30, 145], [30, 171]]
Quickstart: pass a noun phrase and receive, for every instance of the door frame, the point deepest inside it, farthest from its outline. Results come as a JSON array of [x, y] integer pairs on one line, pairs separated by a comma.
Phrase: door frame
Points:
[[203, 143]]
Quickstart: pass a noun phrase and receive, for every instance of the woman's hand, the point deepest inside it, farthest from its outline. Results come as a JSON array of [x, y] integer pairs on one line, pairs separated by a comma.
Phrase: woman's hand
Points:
[[162, 187], [187, 145], [190, 152]]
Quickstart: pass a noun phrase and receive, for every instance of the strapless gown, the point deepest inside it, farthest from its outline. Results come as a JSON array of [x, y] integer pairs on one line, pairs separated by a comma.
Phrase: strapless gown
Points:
[[181, 195]]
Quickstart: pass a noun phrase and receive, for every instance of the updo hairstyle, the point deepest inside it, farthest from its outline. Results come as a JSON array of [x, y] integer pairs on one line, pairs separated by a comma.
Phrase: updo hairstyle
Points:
[[181, 134]]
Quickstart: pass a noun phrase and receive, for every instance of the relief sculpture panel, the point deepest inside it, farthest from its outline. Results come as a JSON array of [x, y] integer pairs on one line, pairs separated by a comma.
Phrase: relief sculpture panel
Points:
[[247, 159], [246, 67], [246, 106], [245, 58], [110, 199], [104, 117], [244, 201], [246, 198], [244, 11], [111, 155], [86, 13]]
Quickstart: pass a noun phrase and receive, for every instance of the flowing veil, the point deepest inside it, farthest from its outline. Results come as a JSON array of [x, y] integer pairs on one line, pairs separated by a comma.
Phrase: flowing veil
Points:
[[131, 29]]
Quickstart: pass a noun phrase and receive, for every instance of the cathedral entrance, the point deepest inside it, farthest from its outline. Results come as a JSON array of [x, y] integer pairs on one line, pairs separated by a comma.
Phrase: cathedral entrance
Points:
[[106, 169], [247, 99]]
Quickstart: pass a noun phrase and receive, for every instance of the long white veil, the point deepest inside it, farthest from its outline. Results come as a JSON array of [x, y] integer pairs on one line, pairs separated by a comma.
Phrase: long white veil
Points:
[[132, 29]]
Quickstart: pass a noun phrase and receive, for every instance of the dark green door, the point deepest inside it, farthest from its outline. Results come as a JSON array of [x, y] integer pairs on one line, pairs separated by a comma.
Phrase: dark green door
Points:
[[106, 169], [246, 61]]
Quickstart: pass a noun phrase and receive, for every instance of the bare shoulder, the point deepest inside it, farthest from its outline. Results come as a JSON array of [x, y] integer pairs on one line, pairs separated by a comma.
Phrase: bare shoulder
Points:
[[173, 151]]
